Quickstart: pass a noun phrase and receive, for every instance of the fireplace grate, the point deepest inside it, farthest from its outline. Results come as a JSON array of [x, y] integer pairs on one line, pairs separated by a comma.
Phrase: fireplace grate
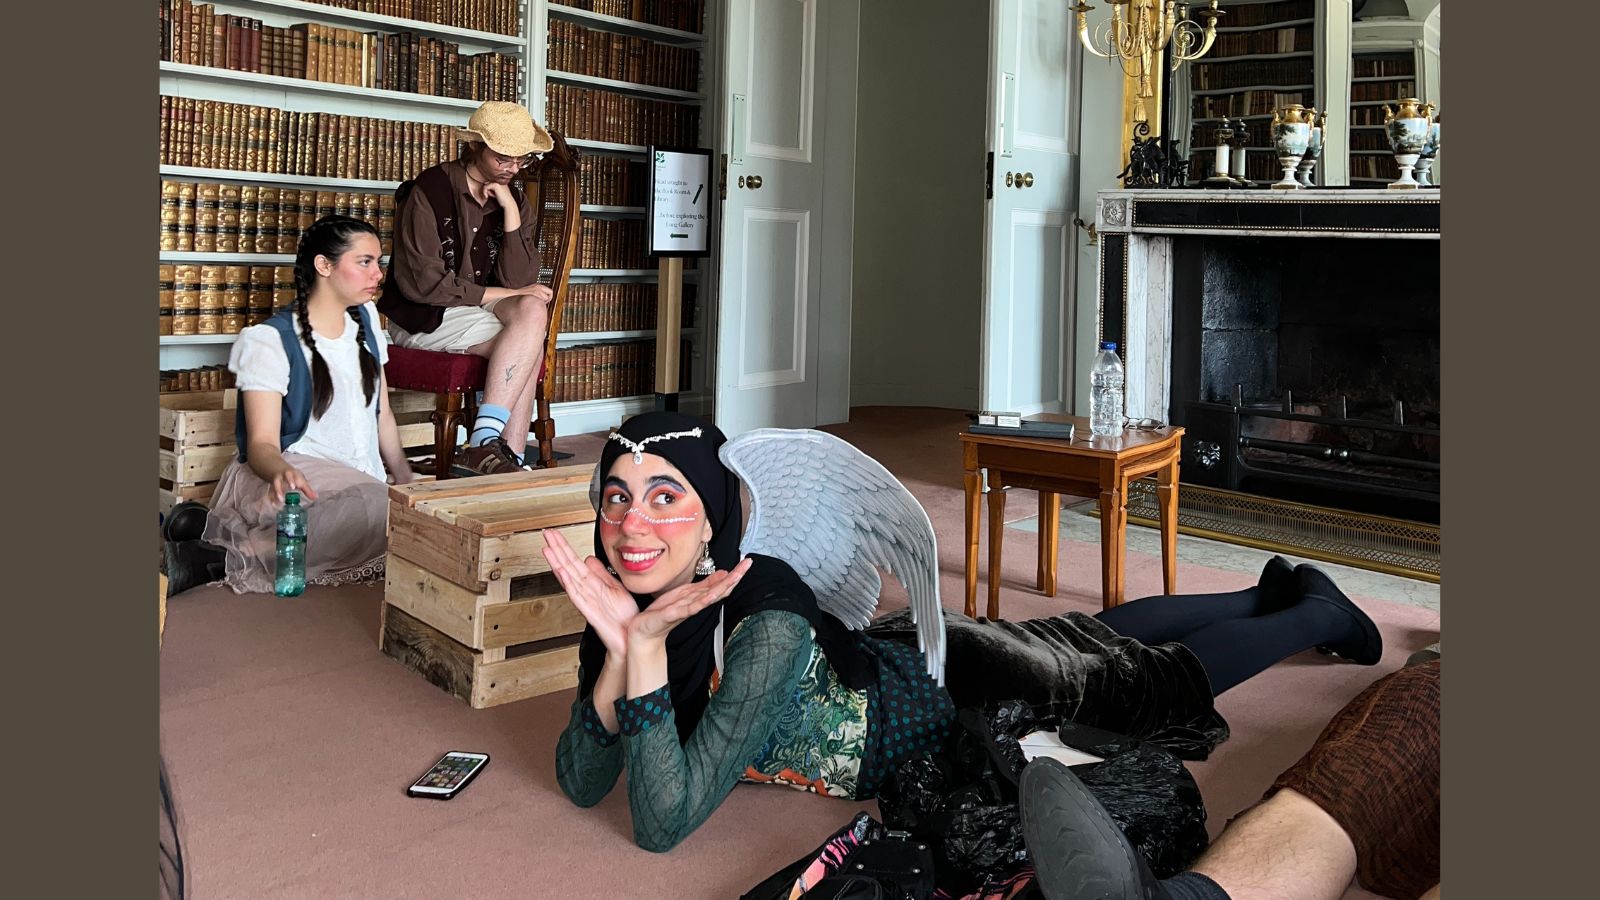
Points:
[[1378, 543]]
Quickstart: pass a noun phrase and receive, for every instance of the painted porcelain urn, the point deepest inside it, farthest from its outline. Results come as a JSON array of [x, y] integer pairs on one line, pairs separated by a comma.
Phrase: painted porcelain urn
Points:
[[1408, 128], [1291, 137]]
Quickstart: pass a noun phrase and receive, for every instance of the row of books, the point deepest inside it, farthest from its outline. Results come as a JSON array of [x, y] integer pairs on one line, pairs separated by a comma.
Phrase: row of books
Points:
[[204, 378], [1244, 14], [606, 370], [196, 34], [600, 115], [1278, 40], [1247, 103], [1382, 90], [232, 218], [1366, 115], [1246, 72], [220, 299], [1372, 166], [1372, 139], [684, 15], [612, 180], [617, 307], [612, 244], [217, 135], [1383, 66], [606, 54], [498, 16]]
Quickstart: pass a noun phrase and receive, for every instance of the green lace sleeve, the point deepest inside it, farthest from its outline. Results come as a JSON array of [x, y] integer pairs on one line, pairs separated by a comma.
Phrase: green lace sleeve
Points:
[[672, 788], [588, 758]]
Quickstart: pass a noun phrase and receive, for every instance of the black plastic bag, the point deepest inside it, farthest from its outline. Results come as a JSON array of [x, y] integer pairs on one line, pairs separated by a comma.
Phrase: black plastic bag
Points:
[[962, 798]]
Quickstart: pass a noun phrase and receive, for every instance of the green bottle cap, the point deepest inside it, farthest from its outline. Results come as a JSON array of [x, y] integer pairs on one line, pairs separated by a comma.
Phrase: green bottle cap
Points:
[[292, 498]]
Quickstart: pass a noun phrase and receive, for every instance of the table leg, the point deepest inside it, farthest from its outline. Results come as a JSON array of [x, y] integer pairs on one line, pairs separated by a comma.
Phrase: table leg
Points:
[[1167, 497], [970, 482], [1049, 540], [997, 528], [1113, 534]]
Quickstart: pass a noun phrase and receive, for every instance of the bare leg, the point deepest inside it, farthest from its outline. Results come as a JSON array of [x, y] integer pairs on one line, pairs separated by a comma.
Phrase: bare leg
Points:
[[1286, 847], [514, 356]]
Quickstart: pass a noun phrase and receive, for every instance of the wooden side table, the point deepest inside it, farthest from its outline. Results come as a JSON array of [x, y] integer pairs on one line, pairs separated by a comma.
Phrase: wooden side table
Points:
[[1087, 466]]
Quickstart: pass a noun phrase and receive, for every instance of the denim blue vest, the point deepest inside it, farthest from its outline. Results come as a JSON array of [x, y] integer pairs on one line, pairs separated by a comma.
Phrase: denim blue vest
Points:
[[297, 402]]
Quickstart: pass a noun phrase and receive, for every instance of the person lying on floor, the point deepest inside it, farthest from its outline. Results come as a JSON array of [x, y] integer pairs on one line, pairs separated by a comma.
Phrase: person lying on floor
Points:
[[313, 418], [1363, 802], [793, 696]]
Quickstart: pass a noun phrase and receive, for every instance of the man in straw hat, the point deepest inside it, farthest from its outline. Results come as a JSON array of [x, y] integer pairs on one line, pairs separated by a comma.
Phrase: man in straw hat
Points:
[[463, 275]]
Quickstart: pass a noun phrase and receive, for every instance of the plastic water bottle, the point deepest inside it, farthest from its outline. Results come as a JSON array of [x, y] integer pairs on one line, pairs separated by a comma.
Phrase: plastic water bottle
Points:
[[1105, 391], [290, 575]]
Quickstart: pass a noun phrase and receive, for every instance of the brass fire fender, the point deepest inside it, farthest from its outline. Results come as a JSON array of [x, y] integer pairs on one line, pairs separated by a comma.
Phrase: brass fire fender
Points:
[[1377, 543]]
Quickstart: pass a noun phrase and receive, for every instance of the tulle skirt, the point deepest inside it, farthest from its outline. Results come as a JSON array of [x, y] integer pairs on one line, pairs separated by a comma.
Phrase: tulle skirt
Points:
[[346, 526]]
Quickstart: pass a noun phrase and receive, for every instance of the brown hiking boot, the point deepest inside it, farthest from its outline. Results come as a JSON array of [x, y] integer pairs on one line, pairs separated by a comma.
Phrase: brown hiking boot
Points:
[[491, 457]]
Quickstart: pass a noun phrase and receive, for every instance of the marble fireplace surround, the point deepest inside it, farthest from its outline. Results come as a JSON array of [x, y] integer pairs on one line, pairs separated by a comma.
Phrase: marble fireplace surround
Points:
[[1136, 229]]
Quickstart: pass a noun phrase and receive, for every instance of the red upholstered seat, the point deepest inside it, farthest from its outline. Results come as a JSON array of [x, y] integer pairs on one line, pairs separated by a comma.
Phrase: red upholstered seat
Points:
[[434, 372]]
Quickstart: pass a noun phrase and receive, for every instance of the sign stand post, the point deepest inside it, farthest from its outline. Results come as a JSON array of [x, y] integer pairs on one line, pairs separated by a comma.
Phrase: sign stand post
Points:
[[680, 225], [669, 329]]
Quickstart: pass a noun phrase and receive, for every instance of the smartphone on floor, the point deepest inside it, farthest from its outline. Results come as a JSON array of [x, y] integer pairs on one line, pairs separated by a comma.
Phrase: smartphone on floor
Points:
[[449, 775]]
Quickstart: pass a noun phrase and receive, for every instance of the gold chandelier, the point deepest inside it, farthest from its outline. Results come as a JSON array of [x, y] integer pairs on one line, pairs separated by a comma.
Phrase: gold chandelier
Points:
[[1137, 32]]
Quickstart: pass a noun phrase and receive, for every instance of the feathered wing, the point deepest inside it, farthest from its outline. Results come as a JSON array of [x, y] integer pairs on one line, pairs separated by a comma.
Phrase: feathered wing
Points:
[[835, 514]]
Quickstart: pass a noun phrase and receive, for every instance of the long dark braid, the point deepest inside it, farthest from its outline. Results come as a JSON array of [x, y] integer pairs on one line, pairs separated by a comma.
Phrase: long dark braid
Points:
[[329, 236]]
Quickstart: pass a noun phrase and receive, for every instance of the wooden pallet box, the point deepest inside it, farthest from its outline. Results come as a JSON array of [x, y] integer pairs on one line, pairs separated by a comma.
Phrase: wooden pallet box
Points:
[[196, 443], [469, 601]]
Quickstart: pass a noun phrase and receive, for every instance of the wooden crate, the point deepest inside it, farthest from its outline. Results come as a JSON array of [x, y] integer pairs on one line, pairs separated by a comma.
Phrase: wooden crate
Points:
[[196, 444], [469, 601]]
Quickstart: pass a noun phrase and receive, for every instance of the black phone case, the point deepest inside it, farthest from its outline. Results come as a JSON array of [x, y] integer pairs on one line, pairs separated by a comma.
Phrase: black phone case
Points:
[[456, 790]]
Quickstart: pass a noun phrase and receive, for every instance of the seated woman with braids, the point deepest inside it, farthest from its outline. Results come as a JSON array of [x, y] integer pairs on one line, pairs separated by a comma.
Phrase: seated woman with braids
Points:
[[313, 418], [699, 669]]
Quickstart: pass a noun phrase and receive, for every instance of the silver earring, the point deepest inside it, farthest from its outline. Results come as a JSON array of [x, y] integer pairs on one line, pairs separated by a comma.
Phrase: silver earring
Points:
[[706, 565]]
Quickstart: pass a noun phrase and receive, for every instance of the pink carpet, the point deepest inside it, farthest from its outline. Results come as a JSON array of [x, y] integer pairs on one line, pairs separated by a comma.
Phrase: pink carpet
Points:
[[290, 738]]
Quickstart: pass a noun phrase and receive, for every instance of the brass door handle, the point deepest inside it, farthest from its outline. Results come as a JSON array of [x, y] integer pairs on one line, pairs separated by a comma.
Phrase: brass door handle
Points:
[[753, 182], [1027, 179]]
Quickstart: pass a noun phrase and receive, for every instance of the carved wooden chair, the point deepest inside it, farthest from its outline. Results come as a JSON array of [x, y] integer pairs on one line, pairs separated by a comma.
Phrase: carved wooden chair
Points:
[[456, 378]]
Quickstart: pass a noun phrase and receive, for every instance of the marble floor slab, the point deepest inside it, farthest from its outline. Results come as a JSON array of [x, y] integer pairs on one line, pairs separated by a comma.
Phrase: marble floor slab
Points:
[[1078, 525]]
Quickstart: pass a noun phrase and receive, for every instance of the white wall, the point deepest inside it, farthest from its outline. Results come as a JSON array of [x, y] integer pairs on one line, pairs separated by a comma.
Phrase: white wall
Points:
[[919, 204]]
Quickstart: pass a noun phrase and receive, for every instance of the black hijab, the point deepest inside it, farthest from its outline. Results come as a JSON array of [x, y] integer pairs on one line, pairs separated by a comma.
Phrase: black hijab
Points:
[[768, 584]]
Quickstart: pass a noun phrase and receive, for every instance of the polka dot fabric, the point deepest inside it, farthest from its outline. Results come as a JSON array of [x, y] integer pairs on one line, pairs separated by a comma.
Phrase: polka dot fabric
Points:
[[907, 713], [593, 727], [637, 715]]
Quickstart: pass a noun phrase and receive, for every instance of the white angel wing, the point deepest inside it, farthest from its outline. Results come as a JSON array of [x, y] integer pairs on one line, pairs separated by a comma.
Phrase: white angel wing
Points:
[[835, 514]]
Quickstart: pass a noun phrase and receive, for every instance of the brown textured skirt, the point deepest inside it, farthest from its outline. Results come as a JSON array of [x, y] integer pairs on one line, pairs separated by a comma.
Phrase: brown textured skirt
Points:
[[346, 526], [1375, 769]]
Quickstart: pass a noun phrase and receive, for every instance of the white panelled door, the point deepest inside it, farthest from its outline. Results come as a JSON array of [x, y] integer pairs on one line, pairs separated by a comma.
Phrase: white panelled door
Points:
[[1028, 265], [772, 217]]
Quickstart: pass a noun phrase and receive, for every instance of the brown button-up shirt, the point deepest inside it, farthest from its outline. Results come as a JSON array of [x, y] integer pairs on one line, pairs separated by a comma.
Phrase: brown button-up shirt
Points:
[[418, 265]]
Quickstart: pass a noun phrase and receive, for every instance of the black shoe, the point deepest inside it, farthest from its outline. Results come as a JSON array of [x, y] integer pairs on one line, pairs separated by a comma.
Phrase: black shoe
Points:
[[191, 564], [1078, 852], [186, 521], [1280, 586], [1363, 644]]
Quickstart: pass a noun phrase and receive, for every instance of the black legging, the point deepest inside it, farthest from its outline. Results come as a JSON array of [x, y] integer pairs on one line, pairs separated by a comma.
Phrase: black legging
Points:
[[1235, 635]]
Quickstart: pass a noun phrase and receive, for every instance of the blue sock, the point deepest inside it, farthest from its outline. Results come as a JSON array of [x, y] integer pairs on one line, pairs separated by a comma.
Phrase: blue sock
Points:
[[490, 422]]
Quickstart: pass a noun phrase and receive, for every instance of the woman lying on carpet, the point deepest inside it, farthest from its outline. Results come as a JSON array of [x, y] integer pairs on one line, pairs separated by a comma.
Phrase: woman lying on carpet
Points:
[[794, 696], [310, 420]]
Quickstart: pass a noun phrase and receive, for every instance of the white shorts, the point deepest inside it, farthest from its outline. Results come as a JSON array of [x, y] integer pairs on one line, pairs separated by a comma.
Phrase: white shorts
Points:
[[463, 327]]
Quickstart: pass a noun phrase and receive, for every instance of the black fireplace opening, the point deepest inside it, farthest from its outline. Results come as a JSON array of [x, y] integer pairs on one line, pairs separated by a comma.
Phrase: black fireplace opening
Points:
[[1307, 369]]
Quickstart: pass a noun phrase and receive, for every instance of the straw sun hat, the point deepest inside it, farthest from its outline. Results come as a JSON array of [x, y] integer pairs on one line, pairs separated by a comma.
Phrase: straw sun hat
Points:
[[507, 128]]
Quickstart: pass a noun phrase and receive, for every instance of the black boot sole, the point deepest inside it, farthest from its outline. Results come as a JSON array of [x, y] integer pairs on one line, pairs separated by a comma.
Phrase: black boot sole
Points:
[[1078, 852], [1319, 587]]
